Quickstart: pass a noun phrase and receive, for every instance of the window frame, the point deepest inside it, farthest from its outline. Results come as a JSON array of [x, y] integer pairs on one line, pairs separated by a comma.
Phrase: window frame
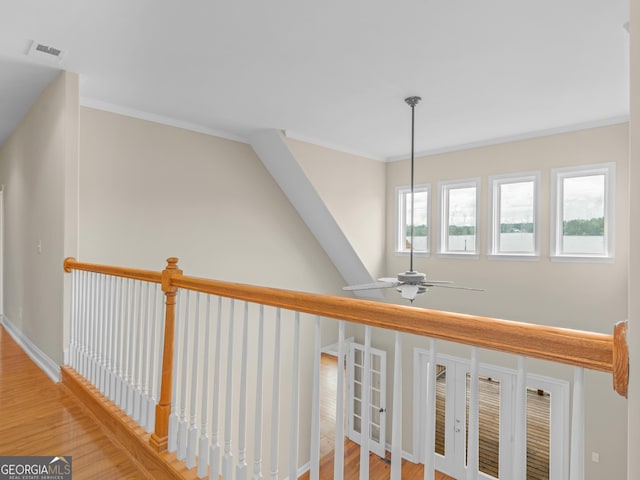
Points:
[[444, 187], [402, 192], [558, 175], [496, 181]]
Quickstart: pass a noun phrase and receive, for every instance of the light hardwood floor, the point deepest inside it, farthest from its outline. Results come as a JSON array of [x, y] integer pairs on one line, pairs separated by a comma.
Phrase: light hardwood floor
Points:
[[39, 417]]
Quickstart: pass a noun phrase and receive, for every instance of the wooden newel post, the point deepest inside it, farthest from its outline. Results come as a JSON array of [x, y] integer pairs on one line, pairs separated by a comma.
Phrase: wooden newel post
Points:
[[159, 438], [620, 359]]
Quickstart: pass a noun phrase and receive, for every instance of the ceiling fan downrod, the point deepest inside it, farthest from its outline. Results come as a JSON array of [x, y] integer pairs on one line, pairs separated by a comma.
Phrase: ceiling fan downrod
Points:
[[412, 102]]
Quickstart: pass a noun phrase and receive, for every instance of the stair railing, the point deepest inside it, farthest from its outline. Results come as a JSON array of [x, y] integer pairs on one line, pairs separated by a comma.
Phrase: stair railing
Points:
[[120, 332]]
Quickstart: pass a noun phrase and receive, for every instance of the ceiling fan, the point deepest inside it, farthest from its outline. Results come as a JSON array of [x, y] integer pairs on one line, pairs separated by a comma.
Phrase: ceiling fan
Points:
[[410, 284]]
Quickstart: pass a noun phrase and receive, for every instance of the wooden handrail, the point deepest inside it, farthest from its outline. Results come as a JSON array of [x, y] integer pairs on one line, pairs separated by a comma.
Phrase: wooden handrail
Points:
[[620, 359], [125, 272], [572, 347], [594, 351]]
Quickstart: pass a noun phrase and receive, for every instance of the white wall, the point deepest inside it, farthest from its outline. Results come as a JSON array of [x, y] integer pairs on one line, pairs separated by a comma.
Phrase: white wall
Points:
[[34, 165], [634, 256], [586, 296]]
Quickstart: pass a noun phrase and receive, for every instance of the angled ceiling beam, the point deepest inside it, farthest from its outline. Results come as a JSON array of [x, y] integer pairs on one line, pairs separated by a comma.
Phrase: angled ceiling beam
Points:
[[273, 151]]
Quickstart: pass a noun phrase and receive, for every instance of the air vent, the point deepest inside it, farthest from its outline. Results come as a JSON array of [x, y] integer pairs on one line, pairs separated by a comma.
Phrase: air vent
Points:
[[43, 52]]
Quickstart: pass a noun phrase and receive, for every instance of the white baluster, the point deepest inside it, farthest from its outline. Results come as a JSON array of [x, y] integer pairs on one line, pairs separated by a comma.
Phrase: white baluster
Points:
[[192, 439], [396, 433], [93, 371], [214, 449], [430, 415], [75, 292], [576, 464], [88, 322], [88, 325], [146, 338], [473, 437], [119, 342], [257, 436], [275, 403], [315, 406], [338, 459], [181, 453], [115, 309], [131, 376], [241, 467], [173, 417], [137, 355], [125, 343], [84, 335], [102, 334], [113, 352], [108, 337], [295, 400], [154, 362], [227, 459], [520, 423], [157, 326], [203, 444], [365, 427]]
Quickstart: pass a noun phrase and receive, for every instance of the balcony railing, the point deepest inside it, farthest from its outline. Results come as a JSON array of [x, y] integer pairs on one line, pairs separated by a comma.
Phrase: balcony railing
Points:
[[203, 364]]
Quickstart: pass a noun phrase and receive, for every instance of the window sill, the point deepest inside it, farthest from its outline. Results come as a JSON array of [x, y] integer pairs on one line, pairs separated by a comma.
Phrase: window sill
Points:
[[459, 255], [415, 254], [520, 257], [582, 259]]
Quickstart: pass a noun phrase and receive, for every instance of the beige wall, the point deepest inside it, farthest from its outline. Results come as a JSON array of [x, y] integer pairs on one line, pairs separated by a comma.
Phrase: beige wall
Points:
[[149, 191], [353, 189], [36, 168], [587, 296]]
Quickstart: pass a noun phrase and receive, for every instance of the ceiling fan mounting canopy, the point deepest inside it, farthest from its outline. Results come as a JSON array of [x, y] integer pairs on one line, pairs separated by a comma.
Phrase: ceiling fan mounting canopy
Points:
[[412, 101]]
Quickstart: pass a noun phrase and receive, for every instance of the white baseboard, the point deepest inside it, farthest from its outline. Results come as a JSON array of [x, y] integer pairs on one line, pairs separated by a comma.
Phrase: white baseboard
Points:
[[48, 366], [301, 470]]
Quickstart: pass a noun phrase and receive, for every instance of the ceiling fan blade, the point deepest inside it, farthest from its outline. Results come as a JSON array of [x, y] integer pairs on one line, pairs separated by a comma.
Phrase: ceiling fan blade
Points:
[[392, 280], [408, 291], [369, 286], [429, 284]]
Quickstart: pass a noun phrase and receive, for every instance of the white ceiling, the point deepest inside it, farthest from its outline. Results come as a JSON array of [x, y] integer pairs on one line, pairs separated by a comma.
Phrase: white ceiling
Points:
[[332, 71]]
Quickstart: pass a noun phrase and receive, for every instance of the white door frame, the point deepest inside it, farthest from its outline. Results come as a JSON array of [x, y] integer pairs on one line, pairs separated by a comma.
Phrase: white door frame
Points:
[[377, 447], [450, 464]]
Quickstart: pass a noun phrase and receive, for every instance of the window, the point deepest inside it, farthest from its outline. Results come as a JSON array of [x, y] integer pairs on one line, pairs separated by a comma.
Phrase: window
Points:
[[514, 215], [583, 212], [458, 217], [420, 218]]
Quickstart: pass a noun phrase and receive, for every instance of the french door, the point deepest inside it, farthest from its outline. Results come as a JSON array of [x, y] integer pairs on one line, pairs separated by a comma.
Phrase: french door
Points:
[[547, 420], [377, 396]]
